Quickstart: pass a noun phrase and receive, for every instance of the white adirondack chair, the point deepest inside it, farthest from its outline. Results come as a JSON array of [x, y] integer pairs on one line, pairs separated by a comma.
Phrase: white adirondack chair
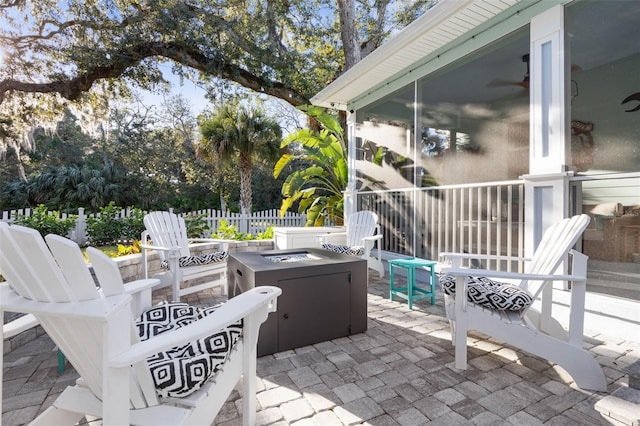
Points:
[[505, 312], [169, 239], [360, 238], [95, 329]]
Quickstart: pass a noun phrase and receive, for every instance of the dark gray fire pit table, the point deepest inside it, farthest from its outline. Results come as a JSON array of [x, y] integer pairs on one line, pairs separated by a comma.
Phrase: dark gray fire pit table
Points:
[[324, 294]]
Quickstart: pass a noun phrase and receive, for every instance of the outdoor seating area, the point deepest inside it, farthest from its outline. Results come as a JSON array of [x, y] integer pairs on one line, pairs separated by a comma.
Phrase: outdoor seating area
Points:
[[405, 213], [400, 371]]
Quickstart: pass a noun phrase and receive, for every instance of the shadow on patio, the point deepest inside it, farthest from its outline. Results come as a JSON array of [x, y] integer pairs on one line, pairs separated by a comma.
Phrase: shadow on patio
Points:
[[400, 371]]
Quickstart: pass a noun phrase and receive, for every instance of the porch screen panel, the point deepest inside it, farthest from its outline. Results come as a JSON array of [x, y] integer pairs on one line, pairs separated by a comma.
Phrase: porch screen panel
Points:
[[385, 162], [605, 140], [473, 128]]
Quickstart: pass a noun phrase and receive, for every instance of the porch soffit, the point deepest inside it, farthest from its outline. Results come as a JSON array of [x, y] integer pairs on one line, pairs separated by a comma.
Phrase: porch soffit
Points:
[[447, 21]]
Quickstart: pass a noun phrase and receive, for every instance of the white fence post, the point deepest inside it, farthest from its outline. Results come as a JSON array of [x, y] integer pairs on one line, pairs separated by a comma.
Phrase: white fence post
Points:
[[81, 227]]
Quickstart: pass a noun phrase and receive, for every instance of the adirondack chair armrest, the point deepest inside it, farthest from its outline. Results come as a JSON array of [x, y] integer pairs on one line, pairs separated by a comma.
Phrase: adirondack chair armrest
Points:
[[224, 244], [138, 286], [369, 242], [451, 255], [159, 248], [18, 325], [259, 300], [468, 272], [140, 292]]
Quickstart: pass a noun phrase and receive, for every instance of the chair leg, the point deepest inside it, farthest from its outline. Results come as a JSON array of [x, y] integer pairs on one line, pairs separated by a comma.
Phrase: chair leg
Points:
[[452, 328], [433, 284], [380, 264], [376, 265], [175, 288], [61, 361], [392, 286], [411, 281], [460, 339], [449, 309]]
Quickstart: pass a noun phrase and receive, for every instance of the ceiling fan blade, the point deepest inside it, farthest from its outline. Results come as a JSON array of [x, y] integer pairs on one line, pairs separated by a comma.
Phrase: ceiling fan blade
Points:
[[498, 82]]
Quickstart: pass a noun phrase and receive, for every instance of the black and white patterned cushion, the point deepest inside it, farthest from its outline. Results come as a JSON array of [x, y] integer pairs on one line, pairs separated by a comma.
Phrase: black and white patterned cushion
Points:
[[350, 250], [181, 370], [202, 259], [488, 293]]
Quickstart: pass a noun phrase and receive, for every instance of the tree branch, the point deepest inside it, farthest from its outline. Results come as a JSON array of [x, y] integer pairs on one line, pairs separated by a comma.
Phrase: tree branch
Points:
[[378, 33], [73, 87]]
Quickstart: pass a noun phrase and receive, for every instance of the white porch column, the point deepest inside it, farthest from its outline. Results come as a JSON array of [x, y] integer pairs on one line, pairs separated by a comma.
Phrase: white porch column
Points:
[[547, 184], [351, 193]]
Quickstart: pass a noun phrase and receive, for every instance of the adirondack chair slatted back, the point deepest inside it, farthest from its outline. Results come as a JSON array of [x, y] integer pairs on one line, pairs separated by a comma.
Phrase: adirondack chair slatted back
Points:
[[360, 225], [167, 229], [556, 242], [58, 274], [44, 282]]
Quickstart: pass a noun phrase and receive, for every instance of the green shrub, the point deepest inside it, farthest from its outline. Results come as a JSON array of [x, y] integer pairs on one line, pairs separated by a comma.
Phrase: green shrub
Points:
[[196, 225], [133, 224], [230, 232], [47, 222], [266, 235], [109, 228]]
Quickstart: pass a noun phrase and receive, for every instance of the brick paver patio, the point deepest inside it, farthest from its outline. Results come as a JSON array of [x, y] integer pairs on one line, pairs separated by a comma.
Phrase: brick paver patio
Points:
[[400, 372]]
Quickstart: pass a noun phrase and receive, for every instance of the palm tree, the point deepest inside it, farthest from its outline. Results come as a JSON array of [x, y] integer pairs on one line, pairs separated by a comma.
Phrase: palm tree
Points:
[[245, 134], [70, 187], [319, 187]]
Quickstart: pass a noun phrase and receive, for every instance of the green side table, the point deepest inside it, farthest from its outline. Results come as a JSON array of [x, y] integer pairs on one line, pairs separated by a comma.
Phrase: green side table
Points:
[[412, 292]]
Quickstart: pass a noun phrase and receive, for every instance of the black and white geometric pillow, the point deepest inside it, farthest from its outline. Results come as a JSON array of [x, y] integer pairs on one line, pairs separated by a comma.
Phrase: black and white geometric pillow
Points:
[[181, 370], [488, 293], [350, 250], [202, 259]]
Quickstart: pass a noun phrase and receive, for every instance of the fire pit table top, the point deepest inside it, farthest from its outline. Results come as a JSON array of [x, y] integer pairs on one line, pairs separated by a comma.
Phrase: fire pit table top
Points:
[[291, 258]]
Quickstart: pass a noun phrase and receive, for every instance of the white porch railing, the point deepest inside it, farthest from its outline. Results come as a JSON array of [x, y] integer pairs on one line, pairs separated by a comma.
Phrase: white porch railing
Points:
[[484, 218]]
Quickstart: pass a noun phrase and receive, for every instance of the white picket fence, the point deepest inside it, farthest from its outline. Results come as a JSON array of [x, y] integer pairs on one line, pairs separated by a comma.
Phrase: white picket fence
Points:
[[253, 224]]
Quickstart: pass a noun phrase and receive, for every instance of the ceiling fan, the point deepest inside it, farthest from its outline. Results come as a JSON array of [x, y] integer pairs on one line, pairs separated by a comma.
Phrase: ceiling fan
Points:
[[499, 82], [524, 83]]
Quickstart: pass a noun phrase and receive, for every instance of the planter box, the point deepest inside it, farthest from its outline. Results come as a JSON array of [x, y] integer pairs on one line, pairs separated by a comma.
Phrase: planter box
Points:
[[302, 236]]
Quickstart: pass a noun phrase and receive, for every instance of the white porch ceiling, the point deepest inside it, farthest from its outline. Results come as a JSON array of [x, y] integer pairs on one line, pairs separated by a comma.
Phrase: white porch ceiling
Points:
[[444, 23]]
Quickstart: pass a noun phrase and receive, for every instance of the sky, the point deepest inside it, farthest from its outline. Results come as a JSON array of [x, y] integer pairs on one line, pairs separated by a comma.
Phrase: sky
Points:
[[185, 87]]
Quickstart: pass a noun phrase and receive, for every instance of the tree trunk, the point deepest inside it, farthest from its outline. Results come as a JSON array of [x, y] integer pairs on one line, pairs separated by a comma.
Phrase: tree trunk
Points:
[[348, 33], [223, 203], [19, 163], [245, 183], [350, 43]]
